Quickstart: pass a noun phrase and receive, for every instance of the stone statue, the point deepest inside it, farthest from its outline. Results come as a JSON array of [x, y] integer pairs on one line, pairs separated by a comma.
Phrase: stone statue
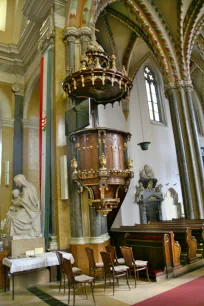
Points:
[[159, 188], [146, 172], [23, 218], [15, 194], [139, 190], [150, 185]]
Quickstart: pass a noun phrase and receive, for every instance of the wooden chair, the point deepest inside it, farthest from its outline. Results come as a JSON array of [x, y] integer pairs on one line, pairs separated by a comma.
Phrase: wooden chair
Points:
[[112, 250], [113, 271], [75, 270], [135, 265], [3, 278], [74, 280], [92, 264]]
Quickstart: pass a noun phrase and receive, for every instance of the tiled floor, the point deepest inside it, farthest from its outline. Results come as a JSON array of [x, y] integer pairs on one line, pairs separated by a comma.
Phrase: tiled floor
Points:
[[123, 296]]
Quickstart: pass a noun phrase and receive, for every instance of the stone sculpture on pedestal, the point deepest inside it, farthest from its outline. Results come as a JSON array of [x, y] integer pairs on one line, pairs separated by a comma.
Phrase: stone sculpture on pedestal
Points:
[[149, 196], [23, 218]]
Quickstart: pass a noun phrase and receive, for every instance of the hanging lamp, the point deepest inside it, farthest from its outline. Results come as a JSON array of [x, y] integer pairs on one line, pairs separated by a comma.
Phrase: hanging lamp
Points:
[[144, 144]]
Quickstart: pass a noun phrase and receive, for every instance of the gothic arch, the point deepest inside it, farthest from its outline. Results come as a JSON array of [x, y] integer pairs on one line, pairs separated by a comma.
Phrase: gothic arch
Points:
[[158, 36], [159, 41], [191, 27]]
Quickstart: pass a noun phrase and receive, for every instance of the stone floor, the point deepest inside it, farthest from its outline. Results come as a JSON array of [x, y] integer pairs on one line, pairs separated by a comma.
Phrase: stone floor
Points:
[[123, 296]]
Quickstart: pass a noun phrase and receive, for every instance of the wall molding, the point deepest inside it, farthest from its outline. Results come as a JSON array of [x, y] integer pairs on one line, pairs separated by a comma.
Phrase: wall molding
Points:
[[90, 240], [7, 122], [30, 124]]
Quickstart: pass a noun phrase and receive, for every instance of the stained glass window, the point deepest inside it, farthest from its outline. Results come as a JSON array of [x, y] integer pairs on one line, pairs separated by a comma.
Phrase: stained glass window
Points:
[[152, 95]]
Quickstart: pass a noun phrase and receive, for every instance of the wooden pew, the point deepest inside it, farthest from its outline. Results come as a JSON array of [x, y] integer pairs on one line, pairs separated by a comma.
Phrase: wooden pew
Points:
[[156, 247], [197, 227], [182, 233]]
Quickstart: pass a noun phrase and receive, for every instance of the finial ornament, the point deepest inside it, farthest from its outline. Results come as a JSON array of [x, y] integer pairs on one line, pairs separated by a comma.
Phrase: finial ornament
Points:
[[103, 161], [130, 164], [74, 165]]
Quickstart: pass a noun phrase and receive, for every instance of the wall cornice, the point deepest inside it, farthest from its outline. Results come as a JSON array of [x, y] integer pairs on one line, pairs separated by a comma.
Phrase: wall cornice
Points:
[[7, 122], [30, 124]]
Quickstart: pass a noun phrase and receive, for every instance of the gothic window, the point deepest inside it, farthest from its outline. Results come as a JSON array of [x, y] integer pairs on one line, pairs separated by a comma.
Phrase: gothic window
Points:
[[152, 95]]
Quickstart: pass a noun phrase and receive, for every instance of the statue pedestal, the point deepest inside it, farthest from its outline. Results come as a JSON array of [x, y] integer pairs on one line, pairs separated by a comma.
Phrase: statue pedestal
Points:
[[150, 206], [17, 246]]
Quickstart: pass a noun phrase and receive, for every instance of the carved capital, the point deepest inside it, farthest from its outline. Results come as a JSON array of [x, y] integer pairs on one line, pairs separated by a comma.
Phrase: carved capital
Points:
[[169, 88], [47, 34], [85, 34], [188, 85], [70, 34], [181, 84]]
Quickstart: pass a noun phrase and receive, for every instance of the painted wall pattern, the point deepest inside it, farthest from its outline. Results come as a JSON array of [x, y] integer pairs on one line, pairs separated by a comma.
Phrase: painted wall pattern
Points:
[[173, 57], [142, 31], [72, 12], [111, 38]]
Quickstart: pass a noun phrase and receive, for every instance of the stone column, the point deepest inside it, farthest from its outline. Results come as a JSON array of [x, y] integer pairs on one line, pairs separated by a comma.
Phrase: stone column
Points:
[[193, 169], [46, 47], [188, 91], [18, 135], [175, 110], [75, 202], [70, 36], [85, 38], [95, 226]]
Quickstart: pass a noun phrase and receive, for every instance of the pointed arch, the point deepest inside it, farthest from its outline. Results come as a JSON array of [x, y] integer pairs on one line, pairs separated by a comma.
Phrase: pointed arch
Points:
[[192, 24], [154, 33]]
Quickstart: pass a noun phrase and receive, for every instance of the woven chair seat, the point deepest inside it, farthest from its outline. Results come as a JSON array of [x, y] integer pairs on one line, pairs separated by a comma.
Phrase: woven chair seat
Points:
[[121, 261], [141, 263], [120, 268], [76, 270], [99, 264], [83, 278]]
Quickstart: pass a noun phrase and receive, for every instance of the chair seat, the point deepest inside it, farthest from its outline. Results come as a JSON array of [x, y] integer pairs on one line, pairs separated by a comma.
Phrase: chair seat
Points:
[[99, 265], [120, 268], [121, 261], [141, 263], [76, 270], [83, 279]]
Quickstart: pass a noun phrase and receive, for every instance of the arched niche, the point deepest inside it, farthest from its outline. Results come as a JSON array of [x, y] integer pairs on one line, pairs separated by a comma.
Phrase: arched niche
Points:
[[173, 208]]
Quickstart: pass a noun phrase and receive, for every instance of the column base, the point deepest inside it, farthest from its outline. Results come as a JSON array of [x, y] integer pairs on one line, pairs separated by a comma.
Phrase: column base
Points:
[[53, 244], [79, 252]]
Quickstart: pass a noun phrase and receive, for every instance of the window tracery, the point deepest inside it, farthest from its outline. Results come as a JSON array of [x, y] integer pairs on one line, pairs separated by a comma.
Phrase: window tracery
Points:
[[152, 95]]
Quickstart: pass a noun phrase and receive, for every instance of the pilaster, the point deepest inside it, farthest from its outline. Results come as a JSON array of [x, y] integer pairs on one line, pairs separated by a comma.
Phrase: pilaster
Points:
[[31, 151], [18, 136], [6, 156], [47, 129]]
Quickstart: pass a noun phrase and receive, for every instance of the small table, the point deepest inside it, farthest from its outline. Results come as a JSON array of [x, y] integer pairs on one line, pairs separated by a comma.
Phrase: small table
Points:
[[20, 265]]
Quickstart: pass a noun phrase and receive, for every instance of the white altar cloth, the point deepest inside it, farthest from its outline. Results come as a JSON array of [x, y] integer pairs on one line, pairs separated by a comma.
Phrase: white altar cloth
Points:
[[40, 261]]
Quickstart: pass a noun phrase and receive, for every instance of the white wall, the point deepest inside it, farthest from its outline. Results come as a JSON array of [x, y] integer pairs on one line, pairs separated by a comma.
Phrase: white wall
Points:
[[161, 155]]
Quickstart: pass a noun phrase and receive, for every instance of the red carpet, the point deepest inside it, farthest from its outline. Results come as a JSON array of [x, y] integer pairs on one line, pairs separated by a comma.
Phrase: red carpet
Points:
[[189, 294]]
